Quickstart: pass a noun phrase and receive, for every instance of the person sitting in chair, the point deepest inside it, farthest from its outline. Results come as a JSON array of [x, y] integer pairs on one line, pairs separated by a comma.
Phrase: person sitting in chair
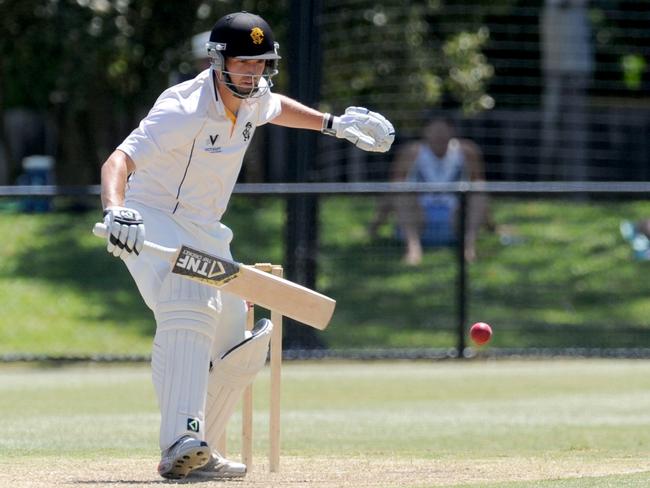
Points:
[[431, 219]]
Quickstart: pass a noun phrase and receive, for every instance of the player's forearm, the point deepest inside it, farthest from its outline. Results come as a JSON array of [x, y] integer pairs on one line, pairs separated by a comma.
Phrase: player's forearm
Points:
[[369, 131], [114, 174], [295, 114]]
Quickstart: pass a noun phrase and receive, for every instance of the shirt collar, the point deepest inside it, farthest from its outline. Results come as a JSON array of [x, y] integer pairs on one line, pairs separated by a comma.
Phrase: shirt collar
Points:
[[221, 109]]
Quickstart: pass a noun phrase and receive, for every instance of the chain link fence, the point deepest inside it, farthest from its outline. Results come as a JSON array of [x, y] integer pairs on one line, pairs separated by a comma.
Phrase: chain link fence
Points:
[[554, 276]]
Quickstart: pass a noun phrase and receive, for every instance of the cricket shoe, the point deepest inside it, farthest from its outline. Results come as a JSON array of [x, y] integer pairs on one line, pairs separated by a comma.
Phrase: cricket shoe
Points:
[[185, 455], [218, 467]]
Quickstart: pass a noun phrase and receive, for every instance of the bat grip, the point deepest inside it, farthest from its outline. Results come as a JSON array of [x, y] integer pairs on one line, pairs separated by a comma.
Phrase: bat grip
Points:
[[167, 253], [100, 230]]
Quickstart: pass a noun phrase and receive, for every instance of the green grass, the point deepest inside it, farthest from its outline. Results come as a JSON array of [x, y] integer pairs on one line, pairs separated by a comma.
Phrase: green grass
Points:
[[61, 294], [568, 423], [563, 278]]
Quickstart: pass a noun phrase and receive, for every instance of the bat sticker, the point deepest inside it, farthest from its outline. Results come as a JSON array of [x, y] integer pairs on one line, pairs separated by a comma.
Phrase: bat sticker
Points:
[[204, 267]]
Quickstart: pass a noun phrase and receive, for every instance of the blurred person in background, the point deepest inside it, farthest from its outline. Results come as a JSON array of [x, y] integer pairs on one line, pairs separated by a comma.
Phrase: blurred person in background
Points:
[[174, 175], [194, 61], [567, 65], [638, 235], [432, 219], [199, 52]]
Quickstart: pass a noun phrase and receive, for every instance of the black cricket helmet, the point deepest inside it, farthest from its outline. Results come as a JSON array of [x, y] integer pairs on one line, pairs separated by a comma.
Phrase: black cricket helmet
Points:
[[243, 35]]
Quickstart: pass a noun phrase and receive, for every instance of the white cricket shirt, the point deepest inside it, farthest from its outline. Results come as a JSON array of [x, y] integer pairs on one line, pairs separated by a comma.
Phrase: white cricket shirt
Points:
[[187, 152]]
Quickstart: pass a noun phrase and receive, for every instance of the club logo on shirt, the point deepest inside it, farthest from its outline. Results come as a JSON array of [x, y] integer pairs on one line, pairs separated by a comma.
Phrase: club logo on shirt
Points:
[[246, 133], [210, 142]]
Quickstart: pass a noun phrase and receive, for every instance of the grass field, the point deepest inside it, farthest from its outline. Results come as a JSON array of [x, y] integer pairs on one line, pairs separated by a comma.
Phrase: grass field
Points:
[[564, 277], [538, 424]]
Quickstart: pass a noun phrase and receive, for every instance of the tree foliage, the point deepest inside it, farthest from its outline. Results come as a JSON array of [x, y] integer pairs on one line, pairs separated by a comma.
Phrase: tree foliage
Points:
[[93, 67], [406, 57]]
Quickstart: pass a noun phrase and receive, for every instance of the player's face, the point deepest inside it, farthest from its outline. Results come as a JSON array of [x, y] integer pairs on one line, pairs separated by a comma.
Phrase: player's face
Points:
[[245, 73]]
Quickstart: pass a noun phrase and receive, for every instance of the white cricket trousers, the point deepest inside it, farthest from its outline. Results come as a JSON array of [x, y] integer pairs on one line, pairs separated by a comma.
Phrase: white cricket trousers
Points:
[[195, 323]]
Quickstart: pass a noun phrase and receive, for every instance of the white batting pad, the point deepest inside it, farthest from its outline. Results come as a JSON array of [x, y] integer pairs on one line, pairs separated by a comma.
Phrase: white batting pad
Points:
[[231, 326], [231, 375], [186, 317]]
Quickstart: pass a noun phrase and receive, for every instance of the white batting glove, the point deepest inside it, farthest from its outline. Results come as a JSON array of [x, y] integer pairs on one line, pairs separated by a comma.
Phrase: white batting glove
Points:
[[367, 130], [125, 231]]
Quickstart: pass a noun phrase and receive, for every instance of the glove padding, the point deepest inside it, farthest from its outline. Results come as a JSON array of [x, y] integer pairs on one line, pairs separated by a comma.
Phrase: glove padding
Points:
[[125, 231], [367, 130]]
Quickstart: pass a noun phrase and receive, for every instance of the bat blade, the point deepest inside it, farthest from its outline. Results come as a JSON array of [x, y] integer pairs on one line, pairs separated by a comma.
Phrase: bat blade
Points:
[[268, 291], [286, 297]]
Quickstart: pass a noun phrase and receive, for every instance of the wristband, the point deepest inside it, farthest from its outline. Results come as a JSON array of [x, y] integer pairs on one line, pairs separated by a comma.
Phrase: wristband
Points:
[[328, 125]]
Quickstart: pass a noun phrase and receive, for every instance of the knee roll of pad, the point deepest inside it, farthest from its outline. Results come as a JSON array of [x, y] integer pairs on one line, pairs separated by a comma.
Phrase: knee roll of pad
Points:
[[231, 374]]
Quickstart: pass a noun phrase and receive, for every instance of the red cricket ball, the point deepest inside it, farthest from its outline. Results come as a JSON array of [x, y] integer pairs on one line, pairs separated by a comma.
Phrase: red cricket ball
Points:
[[481, 333]]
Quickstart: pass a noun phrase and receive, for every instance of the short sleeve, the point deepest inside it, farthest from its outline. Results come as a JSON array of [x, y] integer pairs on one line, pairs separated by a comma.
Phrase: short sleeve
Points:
[[269, 107], [167, 126]]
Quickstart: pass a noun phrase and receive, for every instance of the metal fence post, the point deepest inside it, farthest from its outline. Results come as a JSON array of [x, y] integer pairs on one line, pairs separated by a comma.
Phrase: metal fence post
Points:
[[462, 270]]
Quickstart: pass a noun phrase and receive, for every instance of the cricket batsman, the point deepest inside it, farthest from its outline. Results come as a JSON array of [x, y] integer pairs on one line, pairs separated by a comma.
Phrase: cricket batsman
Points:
[[173, 176]]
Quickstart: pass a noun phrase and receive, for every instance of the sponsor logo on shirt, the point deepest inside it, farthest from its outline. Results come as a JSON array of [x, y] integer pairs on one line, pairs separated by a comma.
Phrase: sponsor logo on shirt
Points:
[[210, 142]]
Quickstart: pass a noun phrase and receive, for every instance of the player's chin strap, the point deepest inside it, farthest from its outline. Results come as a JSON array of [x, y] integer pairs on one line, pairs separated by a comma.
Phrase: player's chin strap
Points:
[[229, 377], [261, 83]]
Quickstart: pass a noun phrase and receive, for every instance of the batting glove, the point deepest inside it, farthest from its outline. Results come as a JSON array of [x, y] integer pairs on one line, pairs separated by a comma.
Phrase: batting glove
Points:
[[125, 231], [367, 130]]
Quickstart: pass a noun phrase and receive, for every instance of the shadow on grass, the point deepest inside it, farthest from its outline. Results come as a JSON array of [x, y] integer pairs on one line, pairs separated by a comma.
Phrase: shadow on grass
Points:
[[64, 253], [555, 289], [574, 287], [380, 298]]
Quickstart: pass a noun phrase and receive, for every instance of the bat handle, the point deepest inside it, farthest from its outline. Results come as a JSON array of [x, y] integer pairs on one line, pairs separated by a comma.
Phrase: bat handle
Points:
[[162, 252], [100, 230]]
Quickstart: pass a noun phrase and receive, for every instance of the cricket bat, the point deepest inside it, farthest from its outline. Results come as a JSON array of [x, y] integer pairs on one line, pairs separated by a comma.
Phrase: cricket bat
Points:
[[264, 289]]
